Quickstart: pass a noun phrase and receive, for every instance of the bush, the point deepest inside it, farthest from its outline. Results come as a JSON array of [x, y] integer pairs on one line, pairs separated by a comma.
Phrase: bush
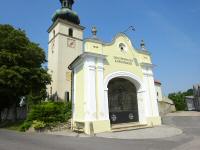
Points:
[[50, 112], [25, 126], [47, 113], [179, 100], [37, 125]]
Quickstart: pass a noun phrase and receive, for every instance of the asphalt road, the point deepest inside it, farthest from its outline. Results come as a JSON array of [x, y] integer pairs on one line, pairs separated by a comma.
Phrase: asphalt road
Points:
[[189, 140]]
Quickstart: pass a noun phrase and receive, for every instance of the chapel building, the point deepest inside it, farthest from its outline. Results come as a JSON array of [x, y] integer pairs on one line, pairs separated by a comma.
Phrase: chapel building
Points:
[[109, 83]]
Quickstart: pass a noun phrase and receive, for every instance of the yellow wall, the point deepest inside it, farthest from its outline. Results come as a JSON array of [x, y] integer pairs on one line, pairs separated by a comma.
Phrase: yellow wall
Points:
[[113, 54], [79, 113], [115, 60]]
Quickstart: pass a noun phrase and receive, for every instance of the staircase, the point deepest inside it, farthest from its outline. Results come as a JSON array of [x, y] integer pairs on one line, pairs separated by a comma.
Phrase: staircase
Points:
[[128, 127]]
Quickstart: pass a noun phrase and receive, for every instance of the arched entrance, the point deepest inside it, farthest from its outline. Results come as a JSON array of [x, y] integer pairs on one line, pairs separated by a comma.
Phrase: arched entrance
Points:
[[122, 98]]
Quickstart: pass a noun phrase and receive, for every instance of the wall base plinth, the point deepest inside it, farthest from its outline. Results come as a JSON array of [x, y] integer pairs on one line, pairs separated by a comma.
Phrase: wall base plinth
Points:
[[94, 127], [154, 121]]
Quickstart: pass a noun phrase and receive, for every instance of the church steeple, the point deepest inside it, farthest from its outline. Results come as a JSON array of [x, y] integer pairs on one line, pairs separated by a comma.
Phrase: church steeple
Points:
[[65, 43], [66, 12]]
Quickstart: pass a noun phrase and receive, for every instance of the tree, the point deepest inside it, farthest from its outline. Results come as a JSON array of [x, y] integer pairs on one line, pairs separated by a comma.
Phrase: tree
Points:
[[21, 71], [188, 92], [179, 99]]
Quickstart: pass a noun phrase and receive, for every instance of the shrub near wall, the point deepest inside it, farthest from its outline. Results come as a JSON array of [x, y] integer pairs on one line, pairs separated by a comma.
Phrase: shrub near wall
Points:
[[49, 113], [179, 100]]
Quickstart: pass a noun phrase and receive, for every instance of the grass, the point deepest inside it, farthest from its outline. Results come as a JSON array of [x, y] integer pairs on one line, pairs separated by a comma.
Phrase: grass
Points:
[[13, 126]]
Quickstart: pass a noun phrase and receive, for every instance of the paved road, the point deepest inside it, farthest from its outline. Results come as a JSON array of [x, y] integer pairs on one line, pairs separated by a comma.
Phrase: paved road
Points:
[[189, 140]]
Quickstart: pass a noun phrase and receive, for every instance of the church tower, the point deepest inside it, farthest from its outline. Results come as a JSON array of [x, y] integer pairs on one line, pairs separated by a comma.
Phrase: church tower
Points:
[[65, 44]]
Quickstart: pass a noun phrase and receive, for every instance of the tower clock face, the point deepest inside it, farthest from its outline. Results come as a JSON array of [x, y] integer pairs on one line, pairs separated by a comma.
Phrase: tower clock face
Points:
[[71, 43]]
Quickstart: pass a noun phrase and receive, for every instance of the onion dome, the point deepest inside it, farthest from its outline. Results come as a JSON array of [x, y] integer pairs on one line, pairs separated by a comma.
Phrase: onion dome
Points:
[[66, 12]]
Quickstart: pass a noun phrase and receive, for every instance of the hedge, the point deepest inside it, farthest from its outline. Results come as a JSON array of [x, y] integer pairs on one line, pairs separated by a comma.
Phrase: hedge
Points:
[[48, 113]]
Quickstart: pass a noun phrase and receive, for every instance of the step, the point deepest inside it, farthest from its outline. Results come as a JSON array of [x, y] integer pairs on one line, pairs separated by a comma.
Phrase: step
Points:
[[128, 127]]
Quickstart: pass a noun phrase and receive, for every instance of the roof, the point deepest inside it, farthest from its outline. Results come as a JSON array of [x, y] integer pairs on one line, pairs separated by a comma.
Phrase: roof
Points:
[[66, 14], [157, 82]]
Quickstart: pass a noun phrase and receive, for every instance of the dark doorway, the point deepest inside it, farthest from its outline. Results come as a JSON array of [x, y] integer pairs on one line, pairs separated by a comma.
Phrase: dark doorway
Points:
[[122, 97]]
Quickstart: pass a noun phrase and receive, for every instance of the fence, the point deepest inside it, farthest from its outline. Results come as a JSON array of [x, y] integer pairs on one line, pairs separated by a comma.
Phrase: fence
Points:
[[7, 114]]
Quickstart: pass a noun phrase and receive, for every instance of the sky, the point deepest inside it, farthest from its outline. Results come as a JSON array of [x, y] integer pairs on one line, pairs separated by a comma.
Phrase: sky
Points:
[[170, 29]]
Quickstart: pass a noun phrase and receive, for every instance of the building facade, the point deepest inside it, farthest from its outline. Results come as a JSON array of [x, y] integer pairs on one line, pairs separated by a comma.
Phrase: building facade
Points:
[[190, 103], [109, 83], [193, 102], [65, 44], [165, 105], [158, 87], [196, 90]]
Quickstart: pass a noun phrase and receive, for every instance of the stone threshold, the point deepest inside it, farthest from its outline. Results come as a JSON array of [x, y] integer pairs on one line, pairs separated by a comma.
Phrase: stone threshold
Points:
[[128, 126]]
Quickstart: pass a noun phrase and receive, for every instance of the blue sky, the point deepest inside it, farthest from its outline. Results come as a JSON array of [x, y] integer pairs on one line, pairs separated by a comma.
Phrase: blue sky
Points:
[[170, 29]]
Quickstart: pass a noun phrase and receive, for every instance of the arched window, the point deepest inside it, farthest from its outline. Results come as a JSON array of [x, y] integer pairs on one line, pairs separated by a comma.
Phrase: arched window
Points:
[[70, 32], [64, 3]]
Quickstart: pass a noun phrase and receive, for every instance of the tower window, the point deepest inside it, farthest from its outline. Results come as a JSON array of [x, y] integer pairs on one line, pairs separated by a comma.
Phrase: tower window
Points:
[[64, 4], [71, 32], [67, 96]]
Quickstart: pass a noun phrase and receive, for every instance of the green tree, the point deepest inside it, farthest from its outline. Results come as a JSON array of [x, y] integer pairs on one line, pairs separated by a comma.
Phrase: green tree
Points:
[[179, 100], [21, 71], [188, 92]]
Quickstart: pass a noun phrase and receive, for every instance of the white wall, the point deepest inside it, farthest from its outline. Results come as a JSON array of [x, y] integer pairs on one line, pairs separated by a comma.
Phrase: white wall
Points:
[[61, 55], [150, 94], [158, 92]]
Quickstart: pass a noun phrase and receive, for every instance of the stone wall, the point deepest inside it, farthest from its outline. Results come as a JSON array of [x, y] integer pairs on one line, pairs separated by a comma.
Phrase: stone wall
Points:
[[166, 106], [6, 114], [196, 90]]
